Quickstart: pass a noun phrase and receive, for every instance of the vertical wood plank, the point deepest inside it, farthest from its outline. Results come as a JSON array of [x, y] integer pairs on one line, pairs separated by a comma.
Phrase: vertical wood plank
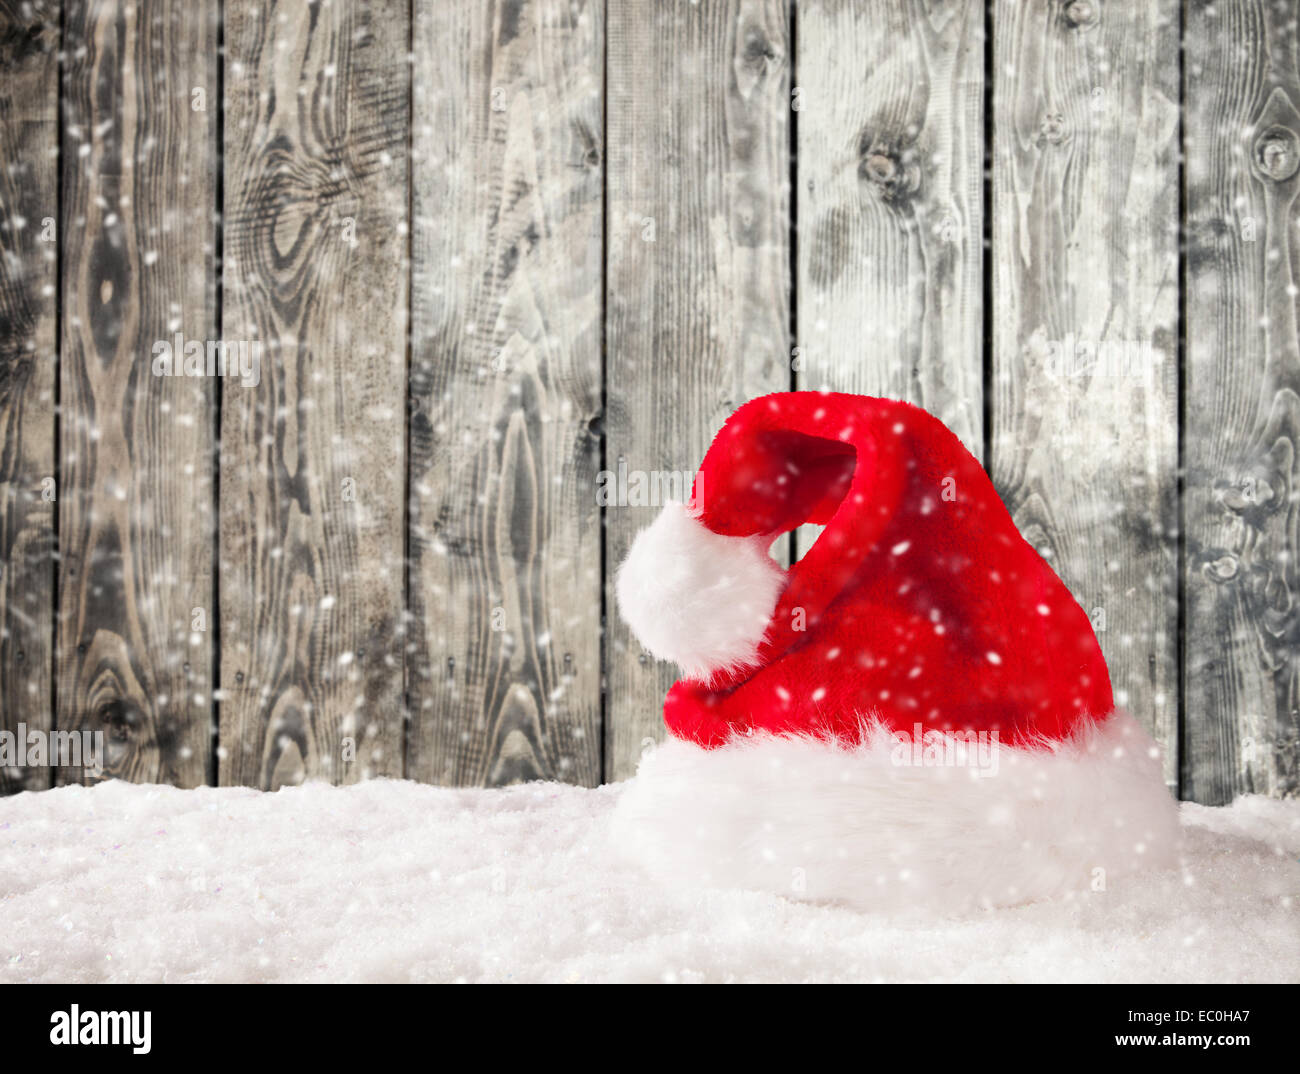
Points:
[[313, 456], [135, 495], [1085, 279], [504, 679], [1242, 411], [698, 283], [29, 183], [890, 204]]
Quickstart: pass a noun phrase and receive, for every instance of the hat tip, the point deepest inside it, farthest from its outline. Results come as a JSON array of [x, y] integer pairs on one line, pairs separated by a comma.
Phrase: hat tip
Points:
[[700, 599]]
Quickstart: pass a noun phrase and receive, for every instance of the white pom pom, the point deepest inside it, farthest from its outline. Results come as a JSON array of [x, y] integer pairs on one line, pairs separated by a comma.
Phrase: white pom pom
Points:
[[698, 598]]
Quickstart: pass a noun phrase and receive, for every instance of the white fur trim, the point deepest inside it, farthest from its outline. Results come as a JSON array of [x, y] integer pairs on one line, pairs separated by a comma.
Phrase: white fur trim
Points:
[[856, 825], [695, 597]]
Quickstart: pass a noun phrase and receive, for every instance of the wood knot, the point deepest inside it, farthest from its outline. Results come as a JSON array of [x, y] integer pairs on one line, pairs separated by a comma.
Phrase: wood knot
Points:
[[1223, 569], [1052, 129], [19, 41], [120, 717], [886, 171], [880, 168], [757, 51], [1081, 14], [1248, 494], [1277, 154]]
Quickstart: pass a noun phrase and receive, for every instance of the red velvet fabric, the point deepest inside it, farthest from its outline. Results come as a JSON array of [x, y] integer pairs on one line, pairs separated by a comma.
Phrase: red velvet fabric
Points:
[[919, 604]]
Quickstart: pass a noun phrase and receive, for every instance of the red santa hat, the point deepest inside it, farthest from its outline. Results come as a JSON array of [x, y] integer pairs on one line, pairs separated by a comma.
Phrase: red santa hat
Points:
[[915, 712]]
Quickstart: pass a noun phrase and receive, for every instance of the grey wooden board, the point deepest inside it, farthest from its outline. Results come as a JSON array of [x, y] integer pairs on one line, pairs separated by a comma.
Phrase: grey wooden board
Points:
[[504, 676], [1242, 489], [312, 572], [890, 204], [698, 277], [492, 628], [29, 43], [135, 492], [1085, 327]]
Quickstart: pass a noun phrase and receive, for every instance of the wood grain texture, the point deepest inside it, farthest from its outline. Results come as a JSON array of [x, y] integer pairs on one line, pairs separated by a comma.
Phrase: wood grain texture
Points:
[[1242, 435], [1085, 279], [698, 284], [29, 42], [504, 678], [135, 495], [890, 204], [313, 457]]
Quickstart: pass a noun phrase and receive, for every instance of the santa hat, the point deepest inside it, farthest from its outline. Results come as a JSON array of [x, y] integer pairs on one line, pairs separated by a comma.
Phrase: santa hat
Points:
[[917, 712]]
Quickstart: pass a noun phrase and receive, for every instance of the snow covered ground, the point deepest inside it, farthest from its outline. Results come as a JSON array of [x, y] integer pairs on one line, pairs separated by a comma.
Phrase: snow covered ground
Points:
[[394, 881]]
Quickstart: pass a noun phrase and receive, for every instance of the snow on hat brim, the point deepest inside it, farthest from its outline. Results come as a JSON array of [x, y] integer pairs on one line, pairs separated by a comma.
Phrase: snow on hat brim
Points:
[[869, 827]]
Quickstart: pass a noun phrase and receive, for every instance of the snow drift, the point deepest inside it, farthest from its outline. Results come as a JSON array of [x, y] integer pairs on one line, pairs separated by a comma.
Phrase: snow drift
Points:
[[396, 881]]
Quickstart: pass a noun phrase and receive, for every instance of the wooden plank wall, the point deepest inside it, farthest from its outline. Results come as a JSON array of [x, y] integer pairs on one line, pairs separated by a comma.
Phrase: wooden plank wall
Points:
[[29, 155], [1241, 680], [1084, 362], [312, 579], [509, 263], [506, 393], [890, 202], [135, 506], [697, 296]]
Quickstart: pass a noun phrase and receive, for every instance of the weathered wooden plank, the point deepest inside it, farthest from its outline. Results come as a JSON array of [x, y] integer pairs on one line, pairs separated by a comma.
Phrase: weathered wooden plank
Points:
[[135, 494], [313, 456], [29, 131], [890, 204], [698, 285], [1242, 412], [504, 679], [1085, 279]]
